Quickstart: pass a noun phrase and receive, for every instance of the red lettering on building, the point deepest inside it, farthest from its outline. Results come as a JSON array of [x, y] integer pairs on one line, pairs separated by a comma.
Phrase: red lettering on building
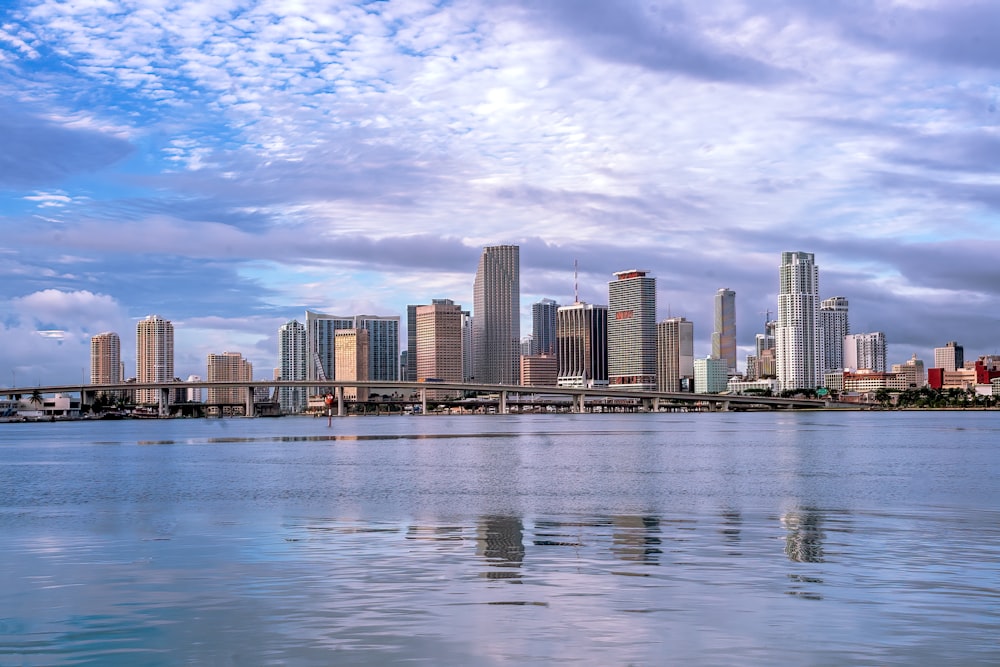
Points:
[[624, 315]]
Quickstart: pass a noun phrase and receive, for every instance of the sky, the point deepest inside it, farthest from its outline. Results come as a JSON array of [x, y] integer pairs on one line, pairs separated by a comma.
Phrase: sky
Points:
[[229, 164]]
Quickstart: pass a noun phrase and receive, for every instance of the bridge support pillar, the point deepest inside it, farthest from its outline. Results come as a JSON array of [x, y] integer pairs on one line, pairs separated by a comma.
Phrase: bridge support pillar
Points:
[[656, 404], [578, 403], [86, 398], [163, 407], [341, 408], [502, 408], [423, 400], [248, 407], [724, 406]]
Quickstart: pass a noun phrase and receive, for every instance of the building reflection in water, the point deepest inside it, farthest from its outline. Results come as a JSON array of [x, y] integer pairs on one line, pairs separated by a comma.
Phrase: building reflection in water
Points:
[[804, 538], [637, 538], [732, 522], [500, 540]]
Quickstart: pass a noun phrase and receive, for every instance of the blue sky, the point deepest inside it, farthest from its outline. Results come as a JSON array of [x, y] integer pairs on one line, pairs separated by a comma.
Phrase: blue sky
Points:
[[227, 165]]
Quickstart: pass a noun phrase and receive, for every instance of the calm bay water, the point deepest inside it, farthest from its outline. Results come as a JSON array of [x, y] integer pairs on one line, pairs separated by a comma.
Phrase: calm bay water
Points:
[[709, 539]]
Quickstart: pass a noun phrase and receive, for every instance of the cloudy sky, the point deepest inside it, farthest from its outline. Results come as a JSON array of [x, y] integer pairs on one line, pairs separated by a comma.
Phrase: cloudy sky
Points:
[[229, 164]]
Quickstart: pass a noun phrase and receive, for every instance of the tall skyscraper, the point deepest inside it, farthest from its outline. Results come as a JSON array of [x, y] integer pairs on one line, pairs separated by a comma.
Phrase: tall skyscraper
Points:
[[321, 361], [411, 343], [582, 345], [228, 367], [154, 355], [105, 358], [292, 365], [439, 342], [352, 348], [632, 330], [834, 326], [496, 316], [543, 327], [724, 336], [797, 340], [951, 357], [865, 351], [674, 353]]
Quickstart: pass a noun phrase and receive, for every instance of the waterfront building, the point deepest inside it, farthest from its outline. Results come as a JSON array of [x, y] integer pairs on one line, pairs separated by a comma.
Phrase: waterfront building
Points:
[[632, 330], [582, 345], [711, 375], [797, 340], [866, 381], [765, 386], [383, 341], [496, 316], [865, 352], [951, 357], [228, 367], [543, 327], [193, 394], [411, 343], [154, 356], [352, 348], [539, 370], [468, 356], [292, 354], [913, 368], [674, 354], [439, 332], [724, 336], [834, 325], [105, 359]]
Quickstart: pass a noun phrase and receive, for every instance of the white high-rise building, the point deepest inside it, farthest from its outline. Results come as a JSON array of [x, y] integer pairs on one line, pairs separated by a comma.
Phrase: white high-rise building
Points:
[[724, 336], [632, 330], [797, 338], [105, 358], [865, 352], [154, 355], [292, 365], [496, 316], [834, 326]]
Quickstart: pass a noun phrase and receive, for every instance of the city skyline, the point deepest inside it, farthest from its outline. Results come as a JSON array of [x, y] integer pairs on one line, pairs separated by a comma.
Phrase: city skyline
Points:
[[231, 167]]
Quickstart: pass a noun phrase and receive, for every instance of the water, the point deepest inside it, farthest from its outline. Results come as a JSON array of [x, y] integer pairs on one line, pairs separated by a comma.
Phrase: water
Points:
[[707, 539]]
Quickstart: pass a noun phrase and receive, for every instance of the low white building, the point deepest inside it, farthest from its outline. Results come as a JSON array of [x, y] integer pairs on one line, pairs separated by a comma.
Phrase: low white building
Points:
[[711, 375], [738, 386]]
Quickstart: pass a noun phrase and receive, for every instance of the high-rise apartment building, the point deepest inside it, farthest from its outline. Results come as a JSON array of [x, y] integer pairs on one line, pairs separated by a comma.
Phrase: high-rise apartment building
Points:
[[439, 345], [321, 361], [632, 330], [543, 327], [496, 316], [865, 352], [724, 336], [292, 365], [105, 358], [951, 357], [352, 347], [797, 339], [582, 345], [674, 353], [833, 326], [228, 367], [154, 356]]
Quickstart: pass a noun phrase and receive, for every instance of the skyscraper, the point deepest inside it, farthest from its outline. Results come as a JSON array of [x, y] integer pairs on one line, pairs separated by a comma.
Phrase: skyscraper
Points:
[[833, 326], [105, 358], [496, 316], [228, 367], [154, 355], [383, 342], [865, 351], [582, 345], [543, 327], [951, 357], [352, 348], [292, 365], [797, 340], [674, 353], [411, 343], [724, 336], [632, 330], [439, 342]]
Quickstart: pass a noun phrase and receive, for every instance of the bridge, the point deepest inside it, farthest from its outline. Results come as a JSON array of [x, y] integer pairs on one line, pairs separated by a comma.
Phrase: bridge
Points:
[[578, 398]]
